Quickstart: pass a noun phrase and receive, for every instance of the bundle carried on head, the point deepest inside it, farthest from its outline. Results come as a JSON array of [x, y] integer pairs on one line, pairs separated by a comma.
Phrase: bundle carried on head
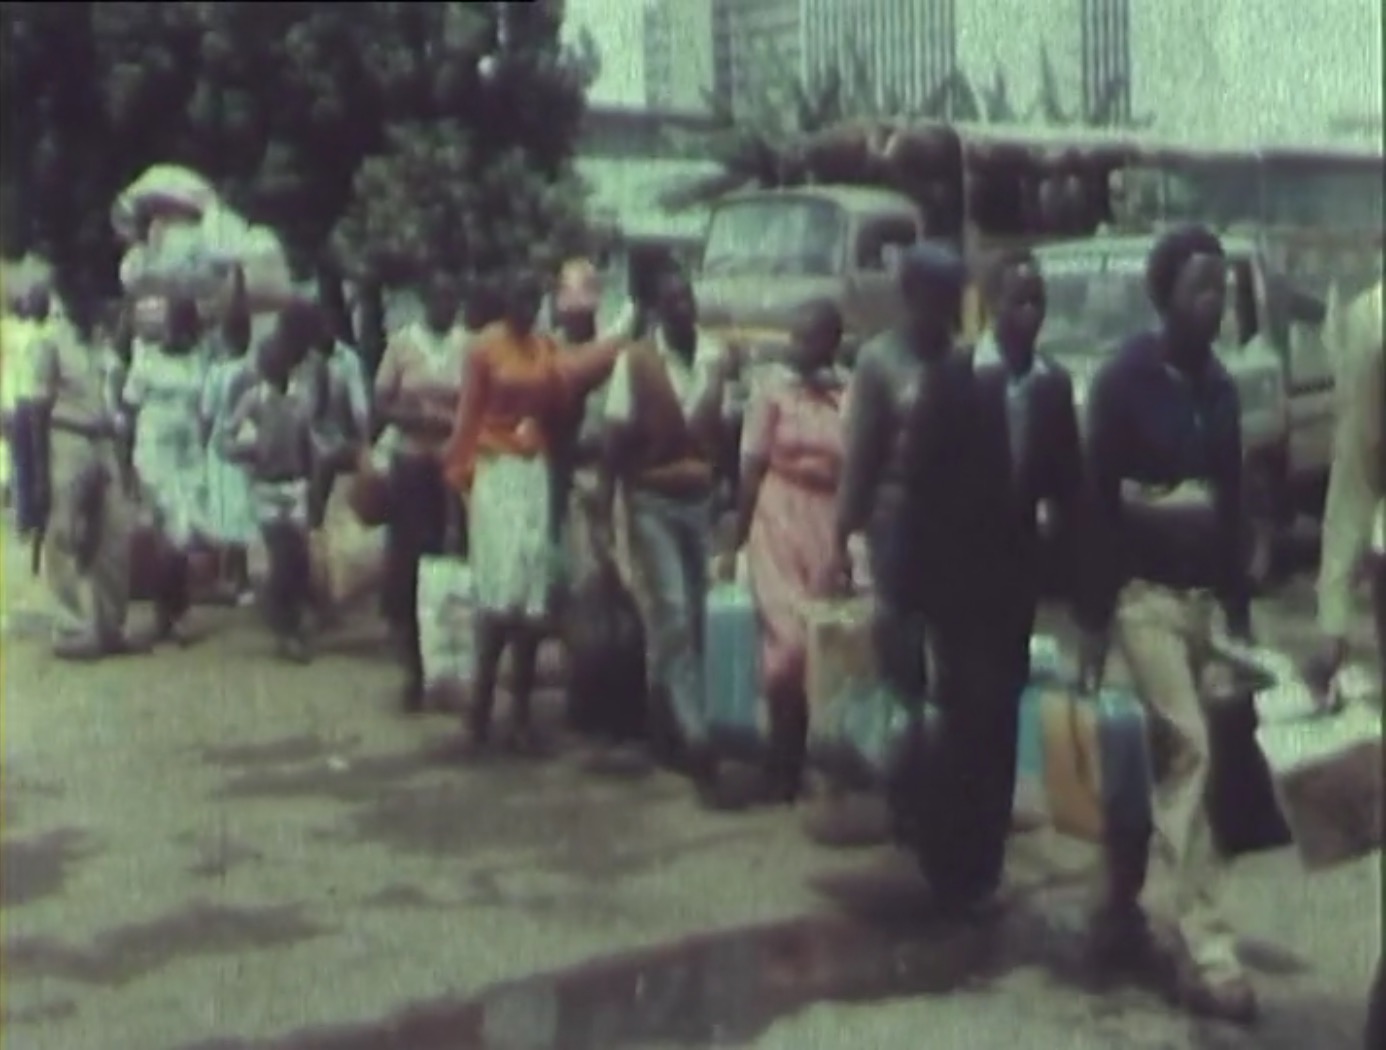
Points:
[[184, 240]]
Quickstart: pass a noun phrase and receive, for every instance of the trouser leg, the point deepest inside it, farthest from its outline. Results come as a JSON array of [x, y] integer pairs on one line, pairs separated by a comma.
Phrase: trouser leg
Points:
[[1162, 634]]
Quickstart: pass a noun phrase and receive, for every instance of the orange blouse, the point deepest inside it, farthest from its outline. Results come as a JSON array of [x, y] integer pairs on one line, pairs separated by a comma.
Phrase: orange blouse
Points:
[[514, 389]]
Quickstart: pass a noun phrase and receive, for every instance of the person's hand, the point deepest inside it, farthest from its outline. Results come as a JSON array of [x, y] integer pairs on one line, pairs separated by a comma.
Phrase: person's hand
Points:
[[1323, 666], [1240, 631], [835, 581], [730, 363], [724, 566], [1093, 647]]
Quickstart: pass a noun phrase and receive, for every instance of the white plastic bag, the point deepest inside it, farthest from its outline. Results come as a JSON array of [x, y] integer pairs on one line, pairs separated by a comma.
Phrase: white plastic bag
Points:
[[447, 647], [348, 557]]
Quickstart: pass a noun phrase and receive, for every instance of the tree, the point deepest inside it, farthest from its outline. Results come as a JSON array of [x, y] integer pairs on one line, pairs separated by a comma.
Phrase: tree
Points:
[[301, 114], [495, 187]]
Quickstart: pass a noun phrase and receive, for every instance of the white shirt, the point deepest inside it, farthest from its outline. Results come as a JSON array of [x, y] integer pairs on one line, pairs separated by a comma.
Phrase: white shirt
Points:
[[1353, 517], [22, 345], [690, 381]]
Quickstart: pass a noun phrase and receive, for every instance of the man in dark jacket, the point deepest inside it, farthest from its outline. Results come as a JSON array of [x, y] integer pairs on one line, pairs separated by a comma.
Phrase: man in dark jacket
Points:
[[1029, 398], [1166, 545]]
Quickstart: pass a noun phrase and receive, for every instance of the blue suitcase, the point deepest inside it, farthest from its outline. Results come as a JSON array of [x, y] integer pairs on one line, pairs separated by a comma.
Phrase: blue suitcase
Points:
[[731, 672]]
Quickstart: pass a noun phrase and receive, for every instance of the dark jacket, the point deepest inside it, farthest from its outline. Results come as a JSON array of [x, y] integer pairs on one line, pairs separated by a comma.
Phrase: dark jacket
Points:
[[1045, 459], [1150, 429]]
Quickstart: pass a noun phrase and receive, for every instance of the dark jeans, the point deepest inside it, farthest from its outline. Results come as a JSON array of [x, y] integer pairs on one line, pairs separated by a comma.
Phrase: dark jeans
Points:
[[419, 500], [290, 577], [29, 481], [959, 789]]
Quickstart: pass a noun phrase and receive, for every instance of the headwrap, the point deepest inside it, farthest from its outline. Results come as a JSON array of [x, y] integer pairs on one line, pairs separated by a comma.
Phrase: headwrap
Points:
[[579, 287]]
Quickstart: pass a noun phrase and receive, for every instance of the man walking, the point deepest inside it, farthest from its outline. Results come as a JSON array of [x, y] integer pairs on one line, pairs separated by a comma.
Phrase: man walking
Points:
[[1354, 525], [91, 515]]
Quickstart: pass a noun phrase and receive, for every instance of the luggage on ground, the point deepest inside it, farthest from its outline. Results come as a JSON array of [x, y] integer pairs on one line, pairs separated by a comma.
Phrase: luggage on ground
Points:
[[1326, 767], [859, 729], [447, 640], [736, 718], [347, 557], [604, 638], [1097, 768], [1242, 807]]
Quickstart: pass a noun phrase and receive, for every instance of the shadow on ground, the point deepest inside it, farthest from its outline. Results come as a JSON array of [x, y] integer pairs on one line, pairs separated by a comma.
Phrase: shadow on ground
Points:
[[126, 953], [37, 867], [731, 987]]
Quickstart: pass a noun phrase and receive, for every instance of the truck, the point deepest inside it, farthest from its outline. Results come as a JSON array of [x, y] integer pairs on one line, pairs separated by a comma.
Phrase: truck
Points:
[[1306, 225]]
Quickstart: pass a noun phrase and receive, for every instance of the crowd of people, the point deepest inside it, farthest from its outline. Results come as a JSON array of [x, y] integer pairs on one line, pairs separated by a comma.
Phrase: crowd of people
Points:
[[519, 445]]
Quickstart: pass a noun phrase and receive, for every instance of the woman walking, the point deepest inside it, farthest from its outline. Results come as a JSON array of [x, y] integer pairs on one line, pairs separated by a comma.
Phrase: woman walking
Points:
[[163, 392], [416, 391], [791, 463], [515, 394]]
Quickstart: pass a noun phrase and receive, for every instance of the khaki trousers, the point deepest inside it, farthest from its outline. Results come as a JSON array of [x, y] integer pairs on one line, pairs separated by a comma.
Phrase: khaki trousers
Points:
[[1164, 637], [92, 599]]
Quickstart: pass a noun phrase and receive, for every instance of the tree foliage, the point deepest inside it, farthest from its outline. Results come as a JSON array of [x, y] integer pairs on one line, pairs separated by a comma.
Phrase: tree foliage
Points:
[[386, 136]]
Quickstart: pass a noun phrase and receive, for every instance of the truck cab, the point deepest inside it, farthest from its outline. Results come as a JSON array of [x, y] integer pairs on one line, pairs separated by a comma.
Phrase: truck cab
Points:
[[769, 252]]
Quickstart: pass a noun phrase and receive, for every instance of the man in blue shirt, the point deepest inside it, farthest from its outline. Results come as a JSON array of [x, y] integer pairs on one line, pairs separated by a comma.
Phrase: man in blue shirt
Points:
[[1164, 471]]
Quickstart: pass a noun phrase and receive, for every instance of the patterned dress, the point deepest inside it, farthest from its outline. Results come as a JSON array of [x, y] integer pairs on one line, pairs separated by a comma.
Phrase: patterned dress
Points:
[[798, 431], [169, 457]]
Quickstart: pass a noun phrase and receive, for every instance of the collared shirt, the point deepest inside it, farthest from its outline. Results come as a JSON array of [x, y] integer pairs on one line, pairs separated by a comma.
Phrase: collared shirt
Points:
[[988, 354], [1355, 487], [690, 380]]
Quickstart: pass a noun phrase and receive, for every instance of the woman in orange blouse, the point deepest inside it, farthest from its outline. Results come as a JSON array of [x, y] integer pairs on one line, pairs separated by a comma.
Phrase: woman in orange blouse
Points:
[[516, 389]]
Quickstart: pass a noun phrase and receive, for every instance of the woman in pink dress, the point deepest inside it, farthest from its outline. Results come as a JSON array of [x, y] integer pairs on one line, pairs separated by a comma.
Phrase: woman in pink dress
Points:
[[791, 464]]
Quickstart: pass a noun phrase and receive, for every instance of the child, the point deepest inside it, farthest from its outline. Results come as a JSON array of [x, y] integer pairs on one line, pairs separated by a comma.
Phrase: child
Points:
[[270, 431]]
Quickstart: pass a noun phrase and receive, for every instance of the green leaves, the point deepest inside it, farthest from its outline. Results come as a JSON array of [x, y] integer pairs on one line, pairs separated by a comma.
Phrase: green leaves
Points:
[[364, 128]]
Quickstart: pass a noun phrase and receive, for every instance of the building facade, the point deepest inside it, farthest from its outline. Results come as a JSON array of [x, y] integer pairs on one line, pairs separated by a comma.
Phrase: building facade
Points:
[[677, 39], [1243, 72], [897, 51]]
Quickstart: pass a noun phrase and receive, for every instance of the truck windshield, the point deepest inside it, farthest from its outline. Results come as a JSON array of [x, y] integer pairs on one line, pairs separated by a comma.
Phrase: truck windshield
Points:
[[775, 235], [1095, 302]]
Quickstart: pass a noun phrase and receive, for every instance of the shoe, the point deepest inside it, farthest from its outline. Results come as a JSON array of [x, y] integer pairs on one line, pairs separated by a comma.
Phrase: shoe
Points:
[[524, 742], [298, 650], [1119, 940], [1224, 994], [79, 649], [412, 697]]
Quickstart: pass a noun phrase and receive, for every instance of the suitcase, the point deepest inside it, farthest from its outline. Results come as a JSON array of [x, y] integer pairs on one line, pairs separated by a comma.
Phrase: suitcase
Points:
[[1096, 753], [735, 715], [1327, 771], [1242, 807]]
